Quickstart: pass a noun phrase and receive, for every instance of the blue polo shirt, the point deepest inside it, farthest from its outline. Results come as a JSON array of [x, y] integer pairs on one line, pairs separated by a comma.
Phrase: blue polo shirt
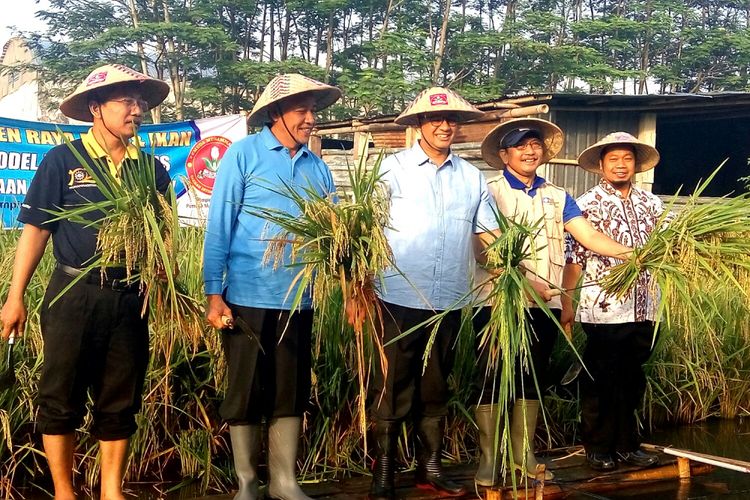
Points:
[[435, 210], [236, 241], [570, 210]]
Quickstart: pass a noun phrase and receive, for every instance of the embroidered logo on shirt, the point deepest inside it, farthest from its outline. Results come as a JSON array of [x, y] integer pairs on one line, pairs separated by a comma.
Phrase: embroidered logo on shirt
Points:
[[78, 177], [438, 99]]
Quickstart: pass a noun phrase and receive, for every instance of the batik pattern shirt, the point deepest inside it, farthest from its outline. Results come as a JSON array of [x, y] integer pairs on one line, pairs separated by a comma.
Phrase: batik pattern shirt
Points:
[[627, 220]]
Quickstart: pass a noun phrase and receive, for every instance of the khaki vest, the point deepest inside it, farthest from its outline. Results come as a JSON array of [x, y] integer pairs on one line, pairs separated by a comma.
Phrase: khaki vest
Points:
[[548, 248]]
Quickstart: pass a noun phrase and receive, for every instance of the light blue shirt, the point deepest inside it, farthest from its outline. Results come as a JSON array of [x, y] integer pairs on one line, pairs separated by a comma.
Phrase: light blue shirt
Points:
[[236, 240], [435, 211]]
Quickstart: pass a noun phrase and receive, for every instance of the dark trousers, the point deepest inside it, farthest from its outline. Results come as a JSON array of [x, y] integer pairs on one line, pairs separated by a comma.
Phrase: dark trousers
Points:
[[542, 338], [273, 382], [614, 355], [94, 340], [405, 390]]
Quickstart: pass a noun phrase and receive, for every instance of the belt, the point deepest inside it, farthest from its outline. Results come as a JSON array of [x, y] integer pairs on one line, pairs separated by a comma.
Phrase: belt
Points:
[[114, 279]]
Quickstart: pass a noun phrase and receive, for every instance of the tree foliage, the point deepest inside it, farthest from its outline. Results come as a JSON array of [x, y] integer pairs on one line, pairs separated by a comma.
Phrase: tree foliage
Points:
[[218, 54]]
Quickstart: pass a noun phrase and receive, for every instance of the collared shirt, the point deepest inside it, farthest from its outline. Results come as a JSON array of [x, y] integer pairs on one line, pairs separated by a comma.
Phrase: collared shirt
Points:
[[62, 182], [628, 221], [250, 175], [95, 150], [570, 210], [434, 212]]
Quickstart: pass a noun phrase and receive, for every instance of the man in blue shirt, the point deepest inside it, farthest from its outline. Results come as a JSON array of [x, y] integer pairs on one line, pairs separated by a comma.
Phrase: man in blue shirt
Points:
[[518, 147], [438, 203], [266, 344]]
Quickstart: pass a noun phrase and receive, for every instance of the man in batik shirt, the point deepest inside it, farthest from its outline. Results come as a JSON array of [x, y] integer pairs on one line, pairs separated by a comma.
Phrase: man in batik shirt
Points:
[[620, 333]]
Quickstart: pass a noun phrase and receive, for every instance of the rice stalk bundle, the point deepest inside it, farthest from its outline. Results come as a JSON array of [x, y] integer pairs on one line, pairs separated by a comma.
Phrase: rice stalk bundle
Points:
[[704, 243], [508, 333], [137, 227], [340, 247]]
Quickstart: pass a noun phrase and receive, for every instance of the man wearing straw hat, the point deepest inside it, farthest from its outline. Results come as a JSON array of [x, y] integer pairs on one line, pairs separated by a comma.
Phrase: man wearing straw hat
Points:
[[267, 345], [619, 332], [438, 202], [518, 147], [94, 335]]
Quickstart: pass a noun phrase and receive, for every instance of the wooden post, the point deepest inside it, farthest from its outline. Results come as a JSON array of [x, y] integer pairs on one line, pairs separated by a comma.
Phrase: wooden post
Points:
[[646, 133], [539, 486], [683, 467], [315, 144], [410, 137], [493, 494]]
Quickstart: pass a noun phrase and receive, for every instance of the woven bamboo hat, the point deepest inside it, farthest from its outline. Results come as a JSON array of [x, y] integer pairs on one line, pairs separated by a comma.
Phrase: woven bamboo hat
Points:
[[513, 131], [288, 85], [438, 100], [646, 156], [76, 105]]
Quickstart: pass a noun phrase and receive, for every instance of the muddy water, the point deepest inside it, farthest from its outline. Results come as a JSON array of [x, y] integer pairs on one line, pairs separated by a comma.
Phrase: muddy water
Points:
[[726, 438]]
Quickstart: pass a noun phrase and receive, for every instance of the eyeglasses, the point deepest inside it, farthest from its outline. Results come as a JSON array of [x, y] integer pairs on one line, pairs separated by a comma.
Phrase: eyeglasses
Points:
[[437, 120], [536, 146], [132, 102]]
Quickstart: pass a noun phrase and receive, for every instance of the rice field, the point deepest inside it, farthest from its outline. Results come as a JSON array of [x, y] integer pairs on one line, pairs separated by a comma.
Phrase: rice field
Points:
[[700, 369]]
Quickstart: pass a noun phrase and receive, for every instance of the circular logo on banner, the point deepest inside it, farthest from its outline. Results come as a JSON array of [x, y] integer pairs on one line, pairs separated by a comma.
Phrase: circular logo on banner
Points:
[[203, 162]]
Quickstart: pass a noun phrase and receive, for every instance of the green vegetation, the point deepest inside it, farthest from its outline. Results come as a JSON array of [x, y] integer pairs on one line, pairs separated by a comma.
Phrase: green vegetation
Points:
[[218, 54]]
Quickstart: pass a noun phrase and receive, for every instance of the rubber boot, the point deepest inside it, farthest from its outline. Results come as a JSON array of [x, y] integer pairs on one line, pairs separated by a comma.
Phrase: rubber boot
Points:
[[245, 449], [383, 487], [429, 474], [525, 412], [283, 438], [489, 456]]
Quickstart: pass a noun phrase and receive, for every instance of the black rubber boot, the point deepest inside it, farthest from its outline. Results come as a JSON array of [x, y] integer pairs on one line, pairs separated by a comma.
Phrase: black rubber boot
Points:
[[430, 473], [383, 487]]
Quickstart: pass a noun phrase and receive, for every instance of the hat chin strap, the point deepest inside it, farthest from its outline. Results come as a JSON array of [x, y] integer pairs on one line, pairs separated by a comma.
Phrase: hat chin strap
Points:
[[297, 144]]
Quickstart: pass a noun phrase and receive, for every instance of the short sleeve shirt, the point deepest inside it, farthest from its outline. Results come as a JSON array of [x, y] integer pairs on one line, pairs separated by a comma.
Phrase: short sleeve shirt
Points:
[[628, 221], [62, 183]]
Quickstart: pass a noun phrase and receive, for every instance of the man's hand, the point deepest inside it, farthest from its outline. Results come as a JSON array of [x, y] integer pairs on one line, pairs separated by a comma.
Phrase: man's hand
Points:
[[542, 289], [218, 313], [13, 318]]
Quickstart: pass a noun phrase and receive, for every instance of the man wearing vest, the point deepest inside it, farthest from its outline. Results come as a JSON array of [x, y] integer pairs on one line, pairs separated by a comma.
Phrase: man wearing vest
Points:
[[267, 345], [95, 337], [619, 332], [518, 147], [438, 202]]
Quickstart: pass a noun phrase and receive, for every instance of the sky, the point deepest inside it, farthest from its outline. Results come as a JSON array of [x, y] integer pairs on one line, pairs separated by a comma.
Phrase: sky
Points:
[[20, 15]]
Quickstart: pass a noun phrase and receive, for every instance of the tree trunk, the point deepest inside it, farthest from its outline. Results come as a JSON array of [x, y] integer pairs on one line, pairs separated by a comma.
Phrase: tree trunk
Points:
[[442, 42], [329, 46], [156, 112]]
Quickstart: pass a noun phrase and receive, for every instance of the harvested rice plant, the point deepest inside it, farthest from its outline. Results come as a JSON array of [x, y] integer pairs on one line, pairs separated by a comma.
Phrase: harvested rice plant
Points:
[[701, 368]]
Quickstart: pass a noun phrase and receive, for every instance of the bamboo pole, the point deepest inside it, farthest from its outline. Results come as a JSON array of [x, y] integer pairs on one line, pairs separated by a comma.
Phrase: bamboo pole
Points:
[[726, 463]]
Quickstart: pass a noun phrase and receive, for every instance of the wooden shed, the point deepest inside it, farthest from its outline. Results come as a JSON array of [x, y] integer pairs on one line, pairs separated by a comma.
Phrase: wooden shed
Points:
[[693, 132]]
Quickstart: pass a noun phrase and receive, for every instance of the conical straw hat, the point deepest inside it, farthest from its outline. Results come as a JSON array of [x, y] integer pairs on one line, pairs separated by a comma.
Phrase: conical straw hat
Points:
[[287, 85], [646, 155], [438, 100], [76, 105], [550, 134]]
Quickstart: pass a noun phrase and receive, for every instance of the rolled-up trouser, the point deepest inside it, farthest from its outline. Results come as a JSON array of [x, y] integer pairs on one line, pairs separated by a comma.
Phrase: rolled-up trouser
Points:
[[273, 382], [405, 389], [543, 334], [614, 355], [94, 339]]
